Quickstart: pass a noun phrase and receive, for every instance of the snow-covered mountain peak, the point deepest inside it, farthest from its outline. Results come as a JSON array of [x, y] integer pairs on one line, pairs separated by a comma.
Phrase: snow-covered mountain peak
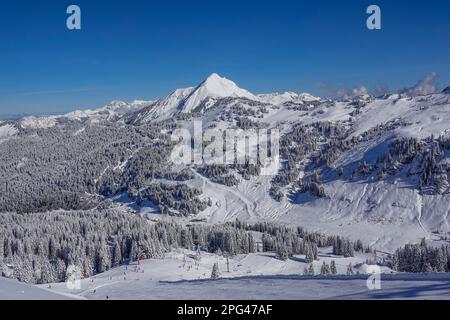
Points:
[[308, 97], [446, 90], [189, 99], [281, 98], [219, 85], [214, 87], [215, 77]]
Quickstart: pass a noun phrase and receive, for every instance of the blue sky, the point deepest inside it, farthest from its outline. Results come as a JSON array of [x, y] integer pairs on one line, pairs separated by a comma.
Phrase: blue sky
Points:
[[145, 49]]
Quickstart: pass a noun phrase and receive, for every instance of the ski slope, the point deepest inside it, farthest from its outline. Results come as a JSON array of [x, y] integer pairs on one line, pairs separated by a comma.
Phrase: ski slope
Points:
[[14, 290], [254, 276]]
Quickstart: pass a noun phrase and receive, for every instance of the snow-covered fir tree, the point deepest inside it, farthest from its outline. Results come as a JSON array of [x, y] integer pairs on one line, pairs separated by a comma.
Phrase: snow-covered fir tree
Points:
[[215, 274]]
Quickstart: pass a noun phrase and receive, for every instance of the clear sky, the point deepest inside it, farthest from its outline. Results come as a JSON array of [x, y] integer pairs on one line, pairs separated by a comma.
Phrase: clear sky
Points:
[[145, 49]]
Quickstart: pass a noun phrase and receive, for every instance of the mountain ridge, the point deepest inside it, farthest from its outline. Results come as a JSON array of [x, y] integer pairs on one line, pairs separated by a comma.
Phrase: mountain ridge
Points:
[[182, 100], [380, 163]]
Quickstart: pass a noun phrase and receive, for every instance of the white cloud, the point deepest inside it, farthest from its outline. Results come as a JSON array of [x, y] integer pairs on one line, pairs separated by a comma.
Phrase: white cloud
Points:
[[346, 93], [427, 85], [343, 92]]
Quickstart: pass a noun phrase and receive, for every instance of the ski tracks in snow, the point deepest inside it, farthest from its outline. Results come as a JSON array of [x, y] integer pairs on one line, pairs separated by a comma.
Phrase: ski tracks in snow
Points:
[[250, 206], [419, 205]]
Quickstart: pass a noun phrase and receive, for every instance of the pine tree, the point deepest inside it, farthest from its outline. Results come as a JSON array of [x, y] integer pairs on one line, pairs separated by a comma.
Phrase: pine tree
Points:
[[23, 270], [282, 252], [103, 260], [441, 184], [348, 249], [305, 271], [117, 256], [60, 270], [186, 239], [309, 257], [333, 269], [325, 269], [315, 252], [1, 250], [441, 260], [88, 267], [350, 269], [311, 270], [215, 271], [428, 268], [48, 274]]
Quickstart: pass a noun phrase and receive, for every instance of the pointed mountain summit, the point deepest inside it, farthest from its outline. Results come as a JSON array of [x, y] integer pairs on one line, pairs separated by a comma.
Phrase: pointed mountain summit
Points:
[[189, 99], [214, 87]]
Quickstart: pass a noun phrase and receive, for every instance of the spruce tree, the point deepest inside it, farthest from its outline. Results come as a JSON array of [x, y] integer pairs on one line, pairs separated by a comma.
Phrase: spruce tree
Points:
[[428, 268], [305, 271], [333, 269], [117, 256], [309, 257], [282, 252], [215, 271], [350, 269], [325, 269], [311, 270]]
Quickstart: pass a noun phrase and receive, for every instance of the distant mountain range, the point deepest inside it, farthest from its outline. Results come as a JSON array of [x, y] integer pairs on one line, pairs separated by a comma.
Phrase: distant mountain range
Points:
[[364, 167]]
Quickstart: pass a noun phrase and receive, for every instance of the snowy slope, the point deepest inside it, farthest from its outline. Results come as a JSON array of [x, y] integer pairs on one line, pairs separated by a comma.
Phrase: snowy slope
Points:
[[7, 130], [111, 112], [280, 98], [15, 290], [163, 108], [39, 122], [372, 211], [255, 276], [425, 115], [298, 288]]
